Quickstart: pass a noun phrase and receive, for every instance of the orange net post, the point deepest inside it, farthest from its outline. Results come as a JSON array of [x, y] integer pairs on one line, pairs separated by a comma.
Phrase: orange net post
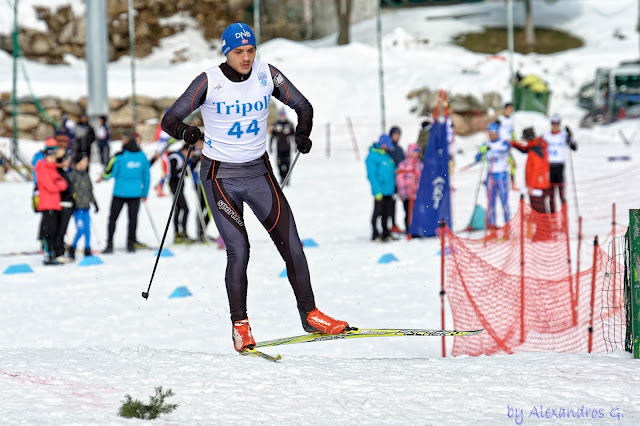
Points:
[[442, 280], [566, 230], [613, 235], [593, 290], [522, 297], [577, 291]]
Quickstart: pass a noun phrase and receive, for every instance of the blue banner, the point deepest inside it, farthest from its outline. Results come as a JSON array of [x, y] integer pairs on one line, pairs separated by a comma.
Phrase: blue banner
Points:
[[433, 199]]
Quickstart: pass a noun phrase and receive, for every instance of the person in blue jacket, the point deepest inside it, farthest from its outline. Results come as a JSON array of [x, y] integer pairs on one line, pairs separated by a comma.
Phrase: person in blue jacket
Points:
[[496, 152], [130, 168], [381, 172]]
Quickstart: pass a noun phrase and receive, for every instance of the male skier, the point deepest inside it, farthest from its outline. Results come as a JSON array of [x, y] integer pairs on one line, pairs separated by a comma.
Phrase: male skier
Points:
[[234, 101]]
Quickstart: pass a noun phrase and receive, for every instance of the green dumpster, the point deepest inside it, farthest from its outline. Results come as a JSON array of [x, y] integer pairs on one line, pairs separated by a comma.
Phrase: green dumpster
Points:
[[531, 94]]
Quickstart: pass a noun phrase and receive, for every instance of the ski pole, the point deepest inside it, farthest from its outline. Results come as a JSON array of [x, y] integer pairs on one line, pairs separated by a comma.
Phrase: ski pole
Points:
[[468, 166], [475, 199], [575, 189], [153, 225], [145, 294], [286, 178]]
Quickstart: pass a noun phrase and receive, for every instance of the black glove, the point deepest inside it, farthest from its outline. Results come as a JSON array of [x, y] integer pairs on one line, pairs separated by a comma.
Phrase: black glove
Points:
[[568, 130], [303, 143], [95, 207], [191, 135]]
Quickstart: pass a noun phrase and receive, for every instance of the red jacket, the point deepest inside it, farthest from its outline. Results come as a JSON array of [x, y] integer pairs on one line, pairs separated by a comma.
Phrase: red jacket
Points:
[[50, 184], [537, 170]]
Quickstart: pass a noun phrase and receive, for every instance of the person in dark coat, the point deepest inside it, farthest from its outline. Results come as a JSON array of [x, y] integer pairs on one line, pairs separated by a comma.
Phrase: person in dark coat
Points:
[[85, 136], [282, 133], [103, 137], [66, 203], [177, 161]]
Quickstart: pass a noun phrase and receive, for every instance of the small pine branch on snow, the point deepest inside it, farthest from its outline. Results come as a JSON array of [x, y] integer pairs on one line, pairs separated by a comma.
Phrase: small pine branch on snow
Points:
[[134, 408]]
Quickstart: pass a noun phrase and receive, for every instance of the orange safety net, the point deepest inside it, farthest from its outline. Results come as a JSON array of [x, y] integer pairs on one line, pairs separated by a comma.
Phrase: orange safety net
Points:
[[517, 283]]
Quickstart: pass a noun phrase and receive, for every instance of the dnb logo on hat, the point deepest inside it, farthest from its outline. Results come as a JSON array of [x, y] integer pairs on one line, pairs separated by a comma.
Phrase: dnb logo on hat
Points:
[[236, 35]]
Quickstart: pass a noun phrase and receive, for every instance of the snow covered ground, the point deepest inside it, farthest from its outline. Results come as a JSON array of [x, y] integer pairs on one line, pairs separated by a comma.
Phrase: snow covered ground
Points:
[[74, 340]]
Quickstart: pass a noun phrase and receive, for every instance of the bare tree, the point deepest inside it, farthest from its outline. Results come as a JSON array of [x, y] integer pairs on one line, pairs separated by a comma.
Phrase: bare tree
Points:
[[529, 30], [343, 10]]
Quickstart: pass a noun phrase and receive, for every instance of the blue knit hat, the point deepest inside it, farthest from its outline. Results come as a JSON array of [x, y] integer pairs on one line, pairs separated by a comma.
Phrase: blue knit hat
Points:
[[494, 127], [237, 35], [384, 141]]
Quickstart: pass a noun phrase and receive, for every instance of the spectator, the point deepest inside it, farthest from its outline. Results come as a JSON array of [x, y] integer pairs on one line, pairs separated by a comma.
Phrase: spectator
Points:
[[103, 137], [130, 168], [48, 143], [50, 184], [423, 135], [35, 198], [177, 161], [558, 141], [202, 201], [164, 140], [66, 203], [408, 179], [85, 136], [537, 168], [83, 198], [397, 154], [63, 143], [67, 127], [282, 133], [381, 172], [4, 166]]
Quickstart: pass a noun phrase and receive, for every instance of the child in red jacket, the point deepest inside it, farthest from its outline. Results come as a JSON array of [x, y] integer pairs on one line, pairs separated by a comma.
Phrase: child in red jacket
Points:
[[50, 185]]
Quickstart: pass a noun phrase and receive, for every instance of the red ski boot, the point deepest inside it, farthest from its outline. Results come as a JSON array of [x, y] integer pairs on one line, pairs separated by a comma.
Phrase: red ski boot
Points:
[[317, 321], [242, 337]]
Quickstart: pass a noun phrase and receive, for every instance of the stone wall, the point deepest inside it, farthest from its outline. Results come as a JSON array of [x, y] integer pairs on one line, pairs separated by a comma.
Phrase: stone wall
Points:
[[32, 124], [66, 31], [471, 114], [279, 18]]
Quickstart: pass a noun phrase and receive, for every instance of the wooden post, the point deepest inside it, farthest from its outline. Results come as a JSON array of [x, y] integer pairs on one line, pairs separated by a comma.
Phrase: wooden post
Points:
[[328, 145], [356, 151]]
